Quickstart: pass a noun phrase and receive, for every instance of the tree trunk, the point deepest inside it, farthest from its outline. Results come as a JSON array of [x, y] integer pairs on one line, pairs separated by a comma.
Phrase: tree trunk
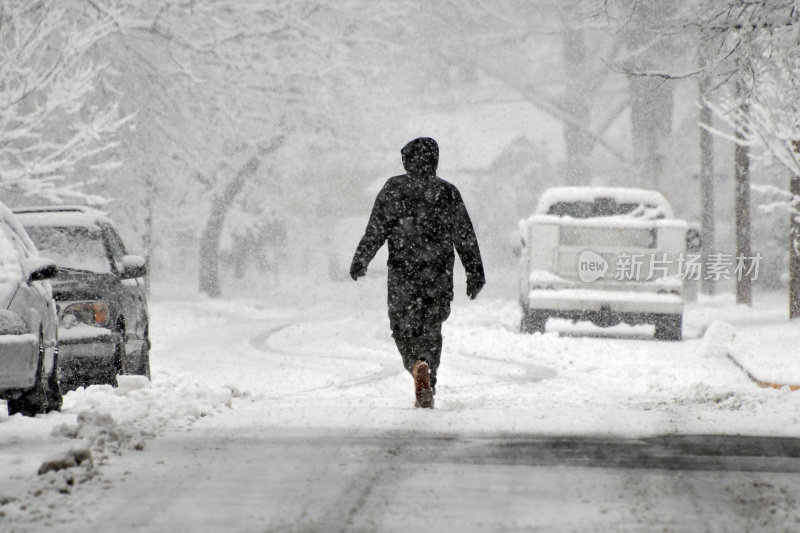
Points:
[[707, 229], [794, 249], [651, 126], [209, 240], [576, 104], [651, 97], [744, 293]]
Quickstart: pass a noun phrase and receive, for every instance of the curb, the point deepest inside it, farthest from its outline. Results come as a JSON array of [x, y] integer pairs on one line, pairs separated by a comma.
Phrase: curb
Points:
[[762, 384]]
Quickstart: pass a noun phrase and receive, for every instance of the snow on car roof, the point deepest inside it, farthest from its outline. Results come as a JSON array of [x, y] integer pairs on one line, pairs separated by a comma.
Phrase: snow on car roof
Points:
[[60, 216], [590, 194], [10, 269], [7, 216]]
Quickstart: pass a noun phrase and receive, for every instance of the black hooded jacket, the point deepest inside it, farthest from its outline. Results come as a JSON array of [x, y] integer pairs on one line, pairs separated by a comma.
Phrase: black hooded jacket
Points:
[[424, 219]]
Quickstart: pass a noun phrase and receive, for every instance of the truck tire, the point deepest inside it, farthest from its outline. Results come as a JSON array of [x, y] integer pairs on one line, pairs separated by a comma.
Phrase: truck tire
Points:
[[54, 396], [533, 321], [144, 360], [668, 327]]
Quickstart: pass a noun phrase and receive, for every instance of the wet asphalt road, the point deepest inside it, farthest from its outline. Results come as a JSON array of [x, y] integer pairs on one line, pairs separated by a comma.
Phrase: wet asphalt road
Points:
[[669, 452], [296, 481]]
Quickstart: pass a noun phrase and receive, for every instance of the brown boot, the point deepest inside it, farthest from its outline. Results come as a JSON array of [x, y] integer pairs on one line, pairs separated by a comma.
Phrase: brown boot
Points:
[[422, 384]]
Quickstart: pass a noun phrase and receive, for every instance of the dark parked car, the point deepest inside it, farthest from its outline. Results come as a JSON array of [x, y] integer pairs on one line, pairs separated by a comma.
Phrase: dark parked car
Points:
[[100, 293], [28, 324]]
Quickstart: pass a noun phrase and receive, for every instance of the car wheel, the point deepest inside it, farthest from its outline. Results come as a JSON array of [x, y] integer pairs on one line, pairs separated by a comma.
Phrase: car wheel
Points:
[[54, 396], [668, 327], [34, 400], [533, 321]]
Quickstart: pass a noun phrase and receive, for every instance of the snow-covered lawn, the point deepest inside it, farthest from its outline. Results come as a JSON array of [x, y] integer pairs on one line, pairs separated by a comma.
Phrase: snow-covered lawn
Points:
[[247, 363]]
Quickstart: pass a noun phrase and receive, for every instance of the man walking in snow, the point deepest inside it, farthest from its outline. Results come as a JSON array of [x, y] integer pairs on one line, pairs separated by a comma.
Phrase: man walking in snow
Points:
[[424, 219]]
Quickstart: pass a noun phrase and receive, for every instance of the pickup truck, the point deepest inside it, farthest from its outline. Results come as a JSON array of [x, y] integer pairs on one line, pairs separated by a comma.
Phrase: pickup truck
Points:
[[606, 255]]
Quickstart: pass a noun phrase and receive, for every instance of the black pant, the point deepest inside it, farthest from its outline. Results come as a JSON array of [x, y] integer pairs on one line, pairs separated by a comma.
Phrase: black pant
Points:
[[416, 323]]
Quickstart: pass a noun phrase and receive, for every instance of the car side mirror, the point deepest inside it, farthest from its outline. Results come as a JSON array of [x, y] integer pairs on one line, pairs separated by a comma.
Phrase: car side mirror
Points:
[[38, 269], [133, 266], [694, 241]]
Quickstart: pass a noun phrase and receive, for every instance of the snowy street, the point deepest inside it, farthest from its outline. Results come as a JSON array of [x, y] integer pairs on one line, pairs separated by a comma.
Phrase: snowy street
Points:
[[263, 418], [231, 231]]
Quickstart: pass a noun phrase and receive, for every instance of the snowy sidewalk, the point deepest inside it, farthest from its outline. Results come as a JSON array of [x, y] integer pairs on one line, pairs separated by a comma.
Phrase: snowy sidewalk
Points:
[[761, 340], [770, 354]]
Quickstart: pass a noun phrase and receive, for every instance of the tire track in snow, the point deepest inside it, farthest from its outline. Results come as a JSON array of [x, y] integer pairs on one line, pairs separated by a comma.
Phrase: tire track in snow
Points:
[[262, 342], [531, 373]]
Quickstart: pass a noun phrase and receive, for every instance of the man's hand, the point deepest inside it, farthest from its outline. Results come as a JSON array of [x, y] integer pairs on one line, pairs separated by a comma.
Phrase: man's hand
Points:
[[357, 271], [473, 288]]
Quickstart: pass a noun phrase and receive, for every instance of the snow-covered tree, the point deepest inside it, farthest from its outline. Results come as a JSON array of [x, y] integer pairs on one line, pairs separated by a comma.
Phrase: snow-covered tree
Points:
[[770, 126], [757, 65], [549, 53], [233, 84], [745, 54], [57, 117]]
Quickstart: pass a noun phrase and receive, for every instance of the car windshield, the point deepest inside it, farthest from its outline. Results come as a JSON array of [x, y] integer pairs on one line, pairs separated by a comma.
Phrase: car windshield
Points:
[[71, 247]]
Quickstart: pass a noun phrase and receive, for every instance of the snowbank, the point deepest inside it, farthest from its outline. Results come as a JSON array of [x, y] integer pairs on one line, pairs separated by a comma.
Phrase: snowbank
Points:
[[717, 339], [44, 458], [113, 419]]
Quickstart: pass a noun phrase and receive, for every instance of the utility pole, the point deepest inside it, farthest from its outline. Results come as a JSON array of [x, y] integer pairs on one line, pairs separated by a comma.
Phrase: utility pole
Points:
[[707, 230], [794, 243], [576, 102]]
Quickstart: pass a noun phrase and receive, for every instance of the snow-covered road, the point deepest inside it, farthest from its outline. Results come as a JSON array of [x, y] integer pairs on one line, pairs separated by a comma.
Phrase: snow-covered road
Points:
[[267, 418]]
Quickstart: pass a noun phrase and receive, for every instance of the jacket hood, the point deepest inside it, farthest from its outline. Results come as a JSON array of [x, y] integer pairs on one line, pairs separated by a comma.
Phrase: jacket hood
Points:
[[421, 157]]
